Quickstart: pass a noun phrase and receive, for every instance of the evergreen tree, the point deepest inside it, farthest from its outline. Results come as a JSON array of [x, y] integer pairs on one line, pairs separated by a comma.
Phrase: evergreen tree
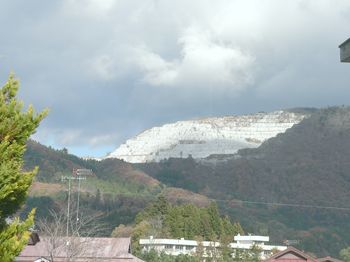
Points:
[[190, 222], [345, 254], [214, 219], [16, 126]]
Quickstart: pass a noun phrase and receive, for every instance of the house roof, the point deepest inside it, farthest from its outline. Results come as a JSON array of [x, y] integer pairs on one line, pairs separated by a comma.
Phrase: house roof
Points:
[[291, 254], [344, 43], [96, 249], [329, 259]]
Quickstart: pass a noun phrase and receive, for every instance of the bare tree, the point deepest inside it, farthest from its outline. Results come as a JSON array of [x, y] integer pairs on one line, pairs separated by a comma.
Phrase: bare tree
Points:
[[53, 230], [67, 236]]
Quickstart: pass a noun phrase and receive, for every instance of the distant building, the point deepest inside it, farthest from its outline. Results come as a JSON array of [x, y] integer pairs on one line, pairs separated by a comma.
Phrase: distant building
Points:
[[189, 247], [291, 254], [86, 249], [247, 242], [345, 51], [176, 247]]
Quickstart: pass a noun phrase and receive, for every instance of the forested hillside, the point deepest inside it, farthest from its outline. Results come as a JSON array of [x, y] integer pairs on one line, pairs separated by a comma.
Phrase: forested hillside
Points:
[[294, 186], [115, 192], [306, 166], [161, 219]]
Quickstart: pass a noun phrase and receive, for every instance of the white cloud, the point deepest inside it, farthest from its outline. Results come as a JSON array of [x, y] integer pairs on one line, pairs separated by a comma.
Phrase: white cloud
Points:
[[157, 71], [90, 8], [201, 45], [73, 136], [103, 67], [208, 60], [250, 55], [103, 139], [204, 61]]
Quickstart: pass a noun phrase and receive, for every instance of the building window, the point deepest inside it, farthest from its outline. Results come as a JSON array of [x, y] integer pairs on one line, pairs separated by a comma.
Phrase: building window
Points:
[[178, 247], [168, 247], [189, 248]]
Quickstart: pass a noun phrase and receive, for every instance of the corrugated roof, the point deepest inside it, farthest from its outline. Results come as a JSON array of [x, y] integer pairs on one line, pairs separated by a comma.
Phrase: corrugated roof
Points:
[[291, 250], [97, 249]]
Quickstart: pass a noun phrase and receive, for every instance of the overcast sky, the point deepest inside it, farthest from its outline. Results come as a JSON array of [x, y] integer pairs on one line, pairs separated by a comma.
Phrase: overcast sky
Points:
[[108, 70]]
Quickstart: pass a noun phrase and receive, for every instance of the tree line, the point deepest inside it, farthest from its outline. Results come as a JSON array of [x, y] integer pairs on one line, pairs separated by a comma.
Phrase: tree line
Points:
[[161, 219]]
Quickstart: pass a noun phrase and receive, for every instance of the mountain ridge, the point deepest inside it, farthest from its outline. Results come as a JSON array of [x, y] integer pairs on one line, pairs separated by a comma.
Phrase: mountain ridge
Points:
[[206, 136], [305, 166], [304, 169]]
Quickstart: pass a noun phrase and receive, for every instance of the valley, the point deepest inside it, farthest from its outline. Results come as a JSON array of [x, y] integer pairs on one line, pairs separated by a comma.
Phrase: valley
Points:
[[305, 168]]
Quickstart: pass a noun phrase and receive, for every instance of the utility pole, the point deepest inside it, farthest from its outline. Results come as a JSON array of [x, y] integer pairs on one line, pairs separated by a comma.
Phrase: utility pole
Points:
[[81, 174], [77, 174]]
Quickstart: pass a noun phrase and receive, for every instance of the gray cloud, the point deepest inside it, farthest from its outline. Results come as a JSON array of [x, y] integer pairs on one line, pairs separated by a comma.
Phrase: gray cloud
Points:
[[109, 69]]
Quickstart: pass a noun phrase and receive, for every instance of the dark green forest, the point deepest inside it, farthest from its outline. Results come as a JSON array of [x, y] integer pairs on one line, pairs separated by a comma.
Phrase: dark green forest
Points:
[[186, 221], [161, 219], [308, 165]]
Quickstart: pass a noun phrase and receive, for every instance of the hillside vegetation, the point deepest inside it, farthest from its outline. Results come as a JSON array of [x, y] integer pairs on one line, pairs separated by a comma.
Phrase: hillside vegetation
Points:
[[161, 219], [307, 165], [116, 191], [306, 168]]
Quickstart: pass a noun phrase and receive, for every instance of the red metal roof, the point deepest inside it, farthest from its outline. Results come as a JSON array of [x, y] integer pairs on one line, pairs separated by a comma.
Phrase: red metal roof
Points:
[[96, 249], [291, 254]]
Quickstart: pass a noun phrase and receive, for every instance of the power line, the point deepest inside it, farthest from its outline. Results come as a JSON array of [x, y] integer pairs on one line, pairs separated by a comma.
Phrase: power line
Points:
[[238, 201], [281, 204]]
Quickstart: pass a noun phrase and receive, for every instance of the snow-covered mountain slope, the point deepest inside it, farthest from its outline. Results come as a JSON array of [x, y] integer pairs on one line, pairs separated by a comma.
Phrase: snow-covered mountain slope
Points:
[[204, 137]]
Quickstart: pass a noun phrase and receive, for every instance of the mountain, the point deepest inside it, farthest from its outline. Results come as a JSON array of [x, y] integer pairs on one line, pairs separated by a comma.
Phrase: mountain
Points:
[[56, 163], [116, 191], [204, 137], [294, 186]]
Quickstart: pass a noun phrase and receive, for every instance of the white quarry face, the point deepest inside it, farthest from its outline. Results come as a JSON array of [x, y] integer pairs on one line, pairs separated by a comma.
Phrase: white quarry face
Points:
[[205, 137]]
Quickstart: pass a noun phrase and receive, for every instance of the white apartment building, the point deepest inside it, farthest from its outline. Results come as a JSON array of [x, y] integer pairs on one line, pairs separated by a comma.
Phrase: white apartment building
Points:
[[247, 242], [183, 246]]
